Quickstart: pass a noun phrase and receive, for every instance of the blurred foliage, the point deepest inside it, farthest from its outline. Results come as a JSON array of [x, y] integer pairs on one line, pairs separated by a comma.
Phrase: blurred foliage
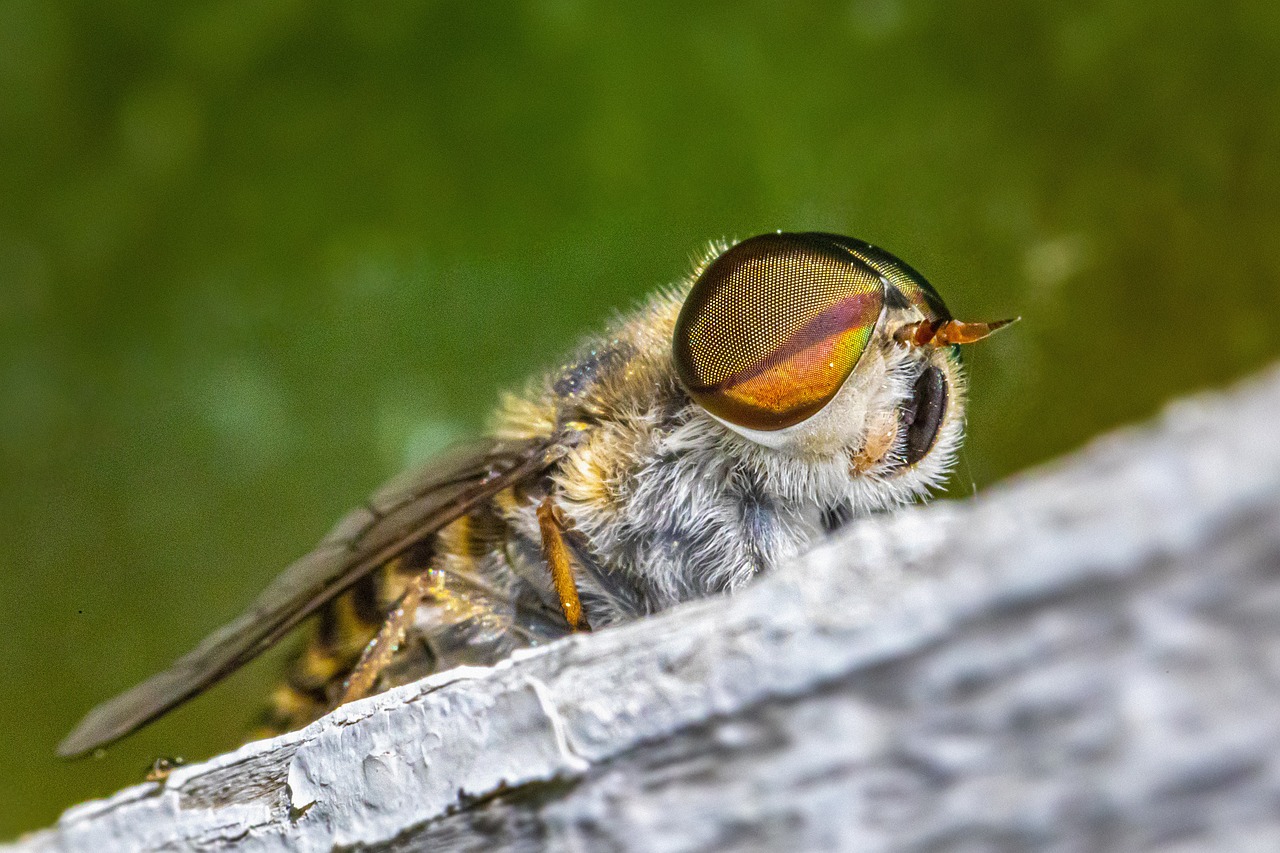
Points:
[[255, 256]]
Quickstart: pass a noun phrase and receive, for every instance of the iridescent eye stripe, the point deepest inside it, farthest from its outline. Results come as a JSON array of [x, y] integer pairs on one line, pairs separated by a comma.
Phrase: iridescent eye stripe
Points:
[[846, 324]]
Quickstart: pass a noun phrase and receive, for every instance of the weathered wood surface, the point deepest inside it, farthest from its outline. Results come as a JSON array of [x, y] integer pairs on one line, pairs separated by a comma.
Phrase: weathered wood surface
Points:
[[1086, 657]]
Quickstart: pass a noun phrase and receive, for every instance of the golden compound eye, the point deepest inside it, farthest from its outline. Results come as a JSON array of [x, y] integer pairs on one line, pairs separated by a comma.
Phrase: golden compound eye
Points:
[[774, 326]]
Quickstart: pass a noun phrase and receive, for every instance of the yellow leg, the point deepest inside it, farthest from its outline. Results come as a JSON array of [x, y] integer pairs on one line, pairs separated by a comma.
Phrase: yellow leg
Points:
[[556, 553], [382, 647]]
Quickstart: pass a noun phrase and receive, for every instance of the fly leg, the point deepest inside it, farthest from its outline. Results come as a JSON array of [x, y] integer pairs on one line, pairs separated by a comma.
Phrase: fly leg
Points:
[[378, 653], [556, 552]]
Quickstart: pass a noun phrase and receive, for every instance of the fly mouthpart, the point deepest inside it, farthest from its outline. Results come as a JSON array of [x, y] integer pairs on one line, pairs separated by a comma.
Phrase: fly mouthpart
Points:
[[920, 416]]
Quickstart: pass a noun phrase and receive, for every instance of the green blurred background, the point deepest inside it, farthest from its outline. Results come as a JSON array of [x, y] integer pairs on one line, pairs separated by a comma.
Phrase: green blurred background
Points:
[[256, 256]]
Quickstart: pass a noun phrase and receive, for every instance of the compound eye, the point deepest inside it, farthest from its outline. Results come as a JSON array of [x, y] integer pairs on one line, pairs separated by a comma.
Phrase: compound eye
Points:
[[774, 326]]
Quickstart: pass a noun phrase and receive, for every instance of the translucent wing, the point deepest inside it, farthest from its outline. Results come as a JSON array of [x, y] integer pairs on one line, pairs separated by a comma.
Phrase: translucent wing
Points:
[[406, 510]]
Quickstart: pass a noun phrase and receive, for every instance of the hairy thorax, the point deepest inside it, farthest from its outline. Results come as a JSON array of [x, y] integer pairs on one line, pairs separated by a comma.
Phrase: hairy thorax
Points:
[[664, 503]]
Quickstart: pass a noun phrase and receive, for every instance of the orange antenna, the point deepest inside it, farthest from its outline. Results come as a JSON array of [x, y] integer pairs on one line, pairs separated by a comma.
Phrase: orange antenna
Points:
[[948, 332]]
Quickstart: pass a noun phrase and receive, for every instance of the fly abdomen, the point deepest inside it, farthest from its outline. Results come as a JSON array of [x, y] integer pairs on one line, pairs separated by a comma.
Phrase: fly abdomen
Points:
[[316, 674]]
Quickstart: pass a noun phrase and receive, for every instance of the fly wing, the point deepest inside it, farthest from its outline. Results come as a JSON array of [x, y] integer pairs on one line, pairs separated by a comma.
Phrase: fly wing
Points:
[[405, 511]]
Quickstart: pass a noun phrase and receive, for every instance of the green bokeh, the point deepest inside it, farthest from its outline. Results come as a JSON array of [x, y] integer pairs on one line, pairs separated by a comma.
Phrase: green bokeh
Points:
[[255, 256]]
